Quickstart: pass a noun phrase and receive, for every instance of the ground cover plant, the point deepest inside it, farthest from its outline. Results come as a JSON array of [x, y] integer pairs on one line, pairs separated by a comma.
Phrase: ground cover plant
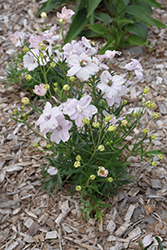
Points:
[[81, 115], [120, 22]]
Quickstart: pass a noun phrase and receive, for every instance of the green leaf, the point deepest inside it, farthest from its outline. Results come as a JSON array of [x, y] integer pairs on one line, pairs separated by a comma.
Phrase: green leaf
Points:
[[138, 12], [105, 18], [122, 22], [135, 40], [99, 28], [159, 24], [139, 29], [50, 5], [91, 6], [159, 243], [152, 3], [145, 6], [77, 25]]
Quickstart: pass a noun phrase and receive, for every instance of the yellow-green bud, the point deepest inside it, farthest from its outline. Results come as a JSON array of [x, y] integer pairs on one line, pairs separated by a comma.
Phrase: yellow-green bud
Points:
[[43, 47], [35, 144], [155, 115], [150, 104], [72, 78], [145, 130], [55, 89], [110, 179], [52, 64], [125, 102], [43, 15], [92, 177], [96, 124], [153, 137], [23, 115], [28, 77], [136, 114], [25, 100], [48, 145], [146, 90], [26, 49], [15, 112], [55, 84], [160, 156], [108, 118], [85, 120], [60, 20], [124, 122], [77, 164], [101, 148], [41, 55], [66, 87], [46, 86], [78, 157], [154, 163], [22, 107], [112, 128], [78, 188]]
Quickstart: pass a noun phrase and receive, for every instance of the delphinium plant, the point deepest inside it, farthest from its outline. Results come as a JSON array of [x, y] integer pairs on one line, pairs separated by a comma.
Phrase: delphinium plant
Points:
[[82, 119]]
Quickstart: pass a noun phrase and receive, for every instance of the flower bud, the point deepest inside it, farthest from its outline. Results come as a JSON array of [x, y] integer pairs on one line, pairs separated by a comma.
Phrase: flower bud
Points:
[[15, 112], [26, 49], [92, 177], [52, 64], [78, 188], [124, 122], [96, 124], [110, 179], [146, 90], [85, 120], [145, 130], [43, 47], [78, 157], [108, 118], [43, 15], [47, 86], [66, 87], [28, 77], [35, 144], [112, 128], [153, 137], [101, 148], [77, 164], [154, 163], [25, 100], [160, 156], [124, 102], [72, 78], [155, 115]]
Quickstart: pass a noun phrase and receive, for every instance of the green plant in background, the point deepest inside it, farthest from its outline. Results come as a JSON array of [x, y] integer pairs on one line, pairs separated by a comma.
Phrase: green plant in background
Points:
[[125, 23]]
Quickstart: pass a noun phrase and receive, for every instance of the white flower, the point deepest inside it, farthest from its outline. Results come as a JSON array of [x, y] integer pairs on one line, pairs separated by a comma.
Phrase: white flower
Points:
[[52, 170], [147, 240], [81, 66]]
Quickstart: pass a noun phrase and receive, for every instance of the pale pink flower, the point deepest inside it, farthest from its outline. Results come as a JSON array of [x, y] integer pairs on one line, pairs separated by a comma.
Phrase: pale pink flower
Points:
[[136, 66], [82, 66], [112, 87], [52, 170], [109, 54], [147, 240], [47, 120], [17, 38], [61, 131], [40, 90], [77, 110], [102, 172], [30, 61], [65, 14]]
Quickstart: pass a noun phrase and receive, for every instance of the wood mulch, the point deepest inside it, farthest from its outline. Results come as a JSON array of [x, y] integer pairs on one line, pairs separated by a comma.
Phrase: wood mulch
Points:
[[29, 218]]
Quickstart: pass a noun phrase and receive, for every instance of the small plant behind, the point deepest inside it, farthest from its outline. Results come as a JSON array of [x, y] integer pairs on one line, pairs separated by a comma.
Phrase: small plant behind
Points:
[[126, 22], [82, 118]]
